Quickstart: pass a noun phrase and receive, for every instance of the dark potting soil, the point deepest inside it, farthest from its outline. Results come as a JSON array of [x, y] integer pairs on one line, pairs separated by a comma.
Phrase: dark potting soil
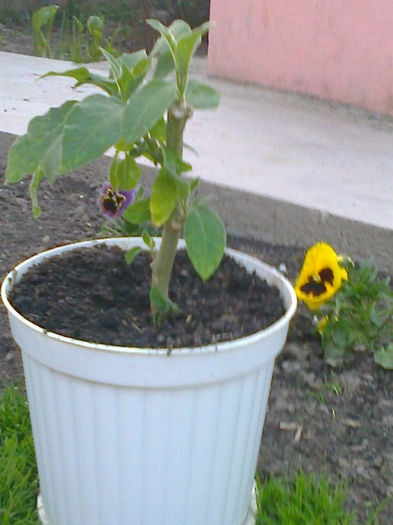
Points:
[[94, 295]]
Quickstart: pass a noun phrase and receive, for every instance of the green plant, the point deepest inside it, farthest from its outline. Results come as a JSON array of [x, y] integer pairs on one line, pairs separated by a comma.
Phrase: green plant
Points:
[[73, 41], [327, 386], [139, 116], [304, 500], [95, 26], [359, 317], [42, 23], [76, 40], [18, 472], [352, 307]]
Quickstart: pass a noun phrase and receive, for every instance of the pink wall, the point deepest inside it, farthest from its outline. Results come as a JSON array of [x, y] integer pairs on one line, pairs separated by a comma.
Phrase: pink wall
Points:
[[335, 49]]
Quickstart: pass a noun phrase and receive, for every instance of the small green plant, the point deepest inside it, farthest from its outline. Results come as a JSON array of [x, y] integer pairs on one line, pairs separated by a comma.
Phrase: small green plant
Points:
[[95, 26], [75, 42], [42, 23], [353, 307], [327, 386], [139, 115], [304, 500], [359, 317], [76, 54]]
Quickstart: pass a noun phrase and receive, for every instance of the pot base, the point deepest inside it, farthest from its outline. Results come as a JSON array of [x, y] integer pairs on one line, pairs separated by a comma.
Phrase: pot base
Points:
[[42, 515], [250, 518]]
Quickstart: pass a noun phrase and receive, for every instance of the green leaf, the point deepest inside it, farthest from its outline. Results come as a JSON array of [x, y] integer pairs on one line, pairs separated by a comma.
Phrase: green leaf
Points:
[[182, 186], [148, 240], [30, 151], [384, 357], [83, 76], [133, 76], [179, 28], [138, 212], [158, 131], [92, 127], [78, 24], [95, 25], [185, 49], [43, 16], [132, 59], [145, 107], [173, 163], [191, 149], [205, 238], [202, 29], [51, 161], [132, 253], [163, 198], [162, 304], [165, 32], [194, 183], [113, 173], [165, 62], [34, 184], [201, 95], [128, 173], [165, 65], [114, 63]]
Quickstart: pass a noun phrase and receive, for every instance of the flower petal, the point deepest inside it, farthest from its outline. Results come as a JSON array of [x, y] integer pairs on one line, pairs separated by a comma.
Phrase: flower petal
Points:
[[320, 277]]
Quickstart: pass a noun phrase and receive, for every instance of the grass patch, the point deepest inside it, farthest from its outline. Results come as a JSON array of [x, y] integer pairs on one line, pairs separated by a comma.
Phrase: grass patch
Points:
[[18, 471], [305, 500]]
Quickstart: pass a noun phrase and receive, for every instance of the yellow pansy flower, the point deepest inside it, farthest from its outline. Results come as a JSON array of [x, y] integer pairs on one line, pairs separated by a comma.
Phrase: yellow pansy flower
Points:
[[320, 277]]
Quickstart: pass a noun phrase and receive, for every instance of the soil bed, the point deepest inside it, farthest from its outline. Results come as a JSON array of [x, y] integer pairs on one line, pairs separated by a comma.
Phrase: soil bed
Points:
[[346, 431], [94, 295]]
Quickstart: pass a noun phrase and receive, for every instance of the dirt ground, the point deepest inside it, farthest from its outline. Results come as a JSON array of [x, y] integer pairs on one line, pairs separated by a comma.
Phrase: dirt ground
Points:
[[15, 40], [340, 421]]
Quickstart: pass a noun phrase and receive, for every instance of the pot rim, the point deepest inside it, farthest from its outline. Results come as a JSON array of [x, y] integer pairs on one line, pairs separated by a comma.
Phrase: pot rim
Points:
[[23, 267]]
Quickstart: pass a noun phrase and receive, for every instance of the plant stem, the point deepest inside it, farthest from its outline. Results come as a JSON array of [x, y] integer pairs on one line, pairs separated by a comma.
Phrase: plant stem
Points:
[[163, 262]]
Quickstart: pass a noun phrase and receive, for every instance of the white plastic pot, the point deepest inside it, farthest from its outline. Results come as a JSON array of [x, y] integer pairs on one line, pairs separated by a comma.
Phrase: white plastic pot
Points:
[[131, 436]]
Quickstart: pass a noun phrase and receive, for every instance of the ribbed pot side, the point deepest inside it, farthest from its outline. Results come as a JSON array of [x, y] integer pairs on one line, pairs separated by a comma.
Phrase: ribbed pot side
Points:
[[127, 436]]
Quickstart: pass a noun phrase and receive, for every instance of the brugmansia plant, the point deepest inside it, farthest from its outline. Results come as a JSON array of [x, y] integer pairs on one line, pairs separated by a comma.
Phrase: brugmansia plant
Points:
[[139, 115], [353, 307]]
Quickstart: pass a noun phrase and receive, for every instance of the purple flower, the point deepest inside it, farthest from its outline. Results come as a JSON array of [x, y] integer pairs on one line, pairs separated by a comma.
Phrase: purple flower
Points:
[[113, 203]]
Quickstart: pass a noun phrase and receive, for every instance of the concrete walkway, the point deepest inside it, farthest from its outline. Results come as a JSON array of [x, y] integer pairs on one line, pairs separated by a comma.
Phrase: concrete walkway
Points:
[[286, 147]]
